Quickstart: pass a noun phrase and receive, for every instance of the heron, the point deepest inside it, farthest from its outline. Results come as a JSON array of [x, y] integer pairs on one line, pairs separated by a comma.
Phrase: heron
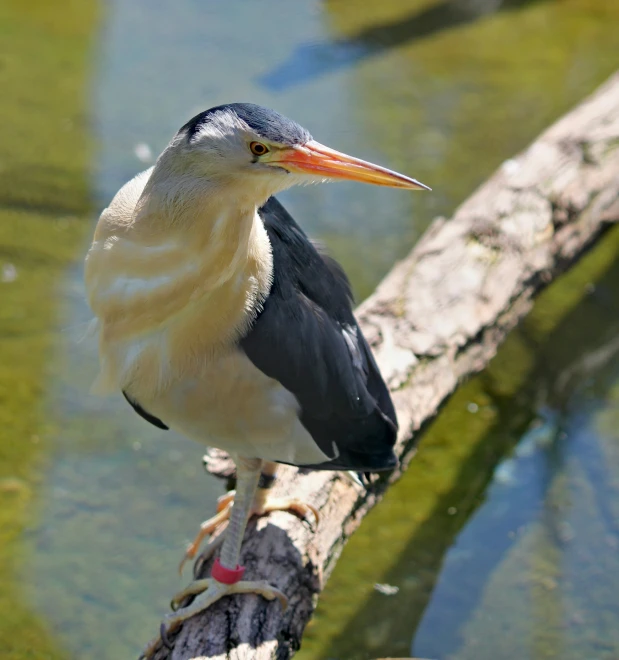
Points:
[[217, 317]]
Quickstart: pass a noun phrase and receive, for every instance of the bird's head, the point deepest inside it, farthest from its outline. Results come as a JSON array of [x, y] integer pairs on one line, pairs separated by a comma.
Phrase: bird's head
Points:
[[259, 152]]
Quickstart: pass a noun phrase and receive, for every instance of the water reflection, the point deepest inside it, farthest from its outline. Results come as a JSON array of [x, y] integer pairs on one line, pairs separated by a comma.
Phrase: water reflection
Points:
[[312, 60], [532, 523], [44, 203]]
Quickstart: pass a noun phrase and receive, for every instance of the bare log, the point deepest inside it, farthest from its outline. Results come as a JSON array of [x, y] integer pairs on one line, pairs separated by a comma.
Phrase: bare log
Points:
[[437, 317]]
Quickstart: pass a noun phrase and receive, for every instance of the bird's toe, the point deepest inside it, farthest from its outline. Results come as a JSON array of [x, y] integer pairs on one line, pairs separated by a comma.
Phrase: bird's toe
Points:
[[208, 592], [303, 510]]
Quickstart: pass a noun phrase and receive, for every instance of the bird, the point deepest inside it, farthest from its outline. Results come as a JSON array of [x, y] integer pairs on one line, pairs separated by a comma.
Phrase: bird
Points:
[[219, 318]]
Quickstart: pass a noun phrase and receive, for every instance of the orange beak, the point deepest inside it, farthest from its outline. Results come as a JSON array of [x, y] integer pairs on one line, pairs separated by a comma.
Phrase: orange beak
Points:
[[314, 158]]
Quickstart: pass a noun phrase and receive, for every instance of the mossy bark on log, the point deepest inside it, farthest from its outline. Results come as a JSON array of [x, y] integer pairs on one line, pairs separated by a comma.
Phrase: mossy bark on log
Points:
[[439, 315]]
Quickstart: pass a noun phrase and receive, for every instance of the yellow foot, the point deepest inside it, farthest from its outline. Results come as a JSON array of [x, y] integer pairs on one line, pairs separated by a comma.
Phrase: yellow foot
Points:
[[298, 508], [208, 527], [210, 591], [261, 507]]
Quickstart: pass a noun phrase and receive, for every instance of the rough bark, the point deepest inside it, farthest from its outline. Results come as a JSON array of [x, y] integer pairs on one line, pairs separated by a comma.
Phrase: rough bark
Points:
[[437, 317]]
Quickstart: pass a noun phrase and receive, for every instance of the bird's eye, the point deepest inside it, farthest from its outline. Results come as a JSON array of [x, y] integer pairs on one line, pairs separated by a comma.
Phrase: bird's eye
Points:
[[258, 149]]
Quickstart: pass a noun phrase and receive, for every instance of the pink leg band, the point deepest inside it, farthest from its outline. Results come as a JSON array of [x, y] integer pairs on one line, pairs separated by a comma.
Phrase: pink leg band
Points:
[[226, 575]]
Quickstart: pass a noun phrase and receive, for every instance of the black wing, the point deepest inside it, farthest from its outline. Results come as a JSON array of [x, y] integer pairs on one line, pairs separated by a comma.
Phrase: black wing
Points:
[[307, 338]]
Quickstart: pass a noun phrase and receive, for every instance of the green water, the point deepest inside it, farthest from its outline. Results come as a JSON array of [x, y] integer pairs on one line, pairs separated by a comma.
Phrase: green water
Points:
[[502, 537]]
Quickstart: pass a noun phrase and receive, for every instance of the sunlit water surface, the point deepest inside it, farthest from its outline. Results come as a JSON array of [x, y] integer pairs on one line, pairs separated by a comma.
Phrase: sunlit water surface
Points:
[[501, 541]]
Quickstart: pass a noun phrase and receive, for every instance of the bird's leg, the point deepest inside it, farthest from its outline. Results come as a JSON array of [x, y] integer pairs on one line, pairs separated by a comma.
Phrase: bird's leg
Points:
[[247, 476], [262, 504], [226, 574]]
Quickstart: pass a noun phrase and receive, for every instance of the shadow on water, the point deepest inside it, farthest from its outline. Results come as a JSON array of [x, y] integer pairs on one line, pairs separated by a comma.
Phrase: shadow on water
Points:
[[522, 488], [310, 61], [530, 415]]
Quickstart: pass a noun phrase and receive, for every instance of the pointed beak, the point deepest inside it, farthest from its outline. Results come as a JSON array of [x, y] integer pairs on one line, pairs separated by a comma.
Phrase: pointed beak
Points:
[[320, 161]]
